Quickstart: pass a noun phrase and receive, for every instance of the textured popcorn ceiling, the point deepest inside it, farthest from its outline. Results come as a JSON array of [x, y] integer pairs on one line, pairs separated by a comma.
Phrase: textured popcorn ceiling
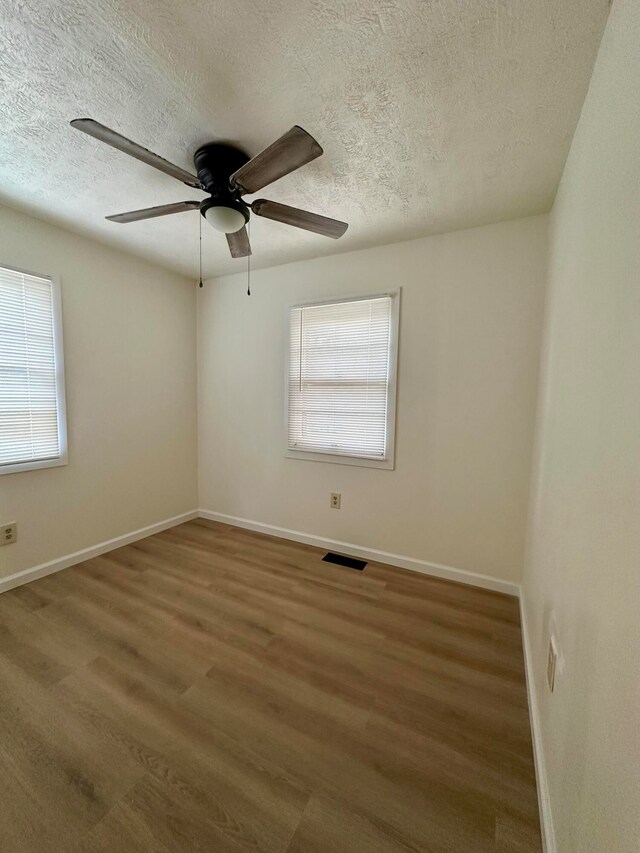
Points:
[[434, 115]]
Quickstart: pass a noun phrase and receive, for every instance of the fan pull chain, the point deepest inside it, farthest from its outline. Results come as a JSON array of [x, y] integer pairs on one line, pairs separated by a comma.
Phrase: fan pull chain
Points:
[[200, 247], [249, 260]]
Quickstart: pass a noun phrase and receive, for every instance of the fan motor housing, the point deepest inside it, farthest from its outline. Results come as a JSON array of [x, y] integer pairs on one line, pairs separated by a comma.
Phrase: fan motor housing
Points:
[[215, 163]]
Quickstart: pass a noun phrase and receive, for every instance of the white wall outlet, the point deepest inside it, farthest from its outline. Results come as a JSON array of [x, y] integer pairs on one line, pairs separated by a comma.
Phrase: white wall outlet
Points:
[[336, 499], [8, 533], [552, 663]]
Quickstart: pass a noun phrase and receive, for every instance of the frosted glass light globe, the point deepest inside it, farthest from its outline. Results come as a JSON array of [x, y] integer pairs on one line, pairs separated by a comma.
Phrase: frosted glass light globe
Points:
[[225, 219]]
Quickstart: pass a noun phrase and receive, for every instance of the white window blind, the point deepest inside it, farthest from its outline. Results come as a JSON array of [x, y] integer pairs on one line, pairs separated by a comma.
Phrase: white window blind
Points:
[[30, 393], [339, 377]]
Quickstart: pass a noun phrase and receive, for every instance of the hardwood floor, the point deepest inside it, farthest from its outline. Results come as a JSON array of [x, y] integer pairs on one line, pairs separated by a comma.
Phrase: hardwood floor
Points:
[[211, 689]]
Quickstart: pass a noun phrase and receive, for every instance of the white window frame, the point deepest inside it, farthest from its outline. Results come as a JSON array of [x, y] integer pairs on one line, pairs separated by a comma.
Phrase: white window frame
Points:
[[388, 461], [58, 348]]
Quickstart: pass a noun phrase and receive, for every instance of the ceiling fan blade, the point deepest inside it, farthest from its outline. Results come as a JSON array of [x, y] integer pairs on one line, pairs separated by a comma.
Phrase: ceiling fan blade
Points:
[[299, 218], [295, 148], [151, 212], [239, 243], [115, 140]]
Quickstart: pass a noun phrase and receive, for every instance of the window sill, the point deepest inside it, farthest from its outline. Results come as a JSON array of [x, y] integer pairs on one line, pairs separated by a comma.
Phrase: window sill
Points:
[[32, 466], [339, 459]]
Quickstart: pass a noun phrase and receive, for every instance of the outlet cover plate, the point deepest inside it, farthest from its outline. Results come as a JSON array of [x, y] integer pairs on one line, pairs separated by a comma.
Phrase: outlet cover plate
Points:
[[552, 663], [8, 533]]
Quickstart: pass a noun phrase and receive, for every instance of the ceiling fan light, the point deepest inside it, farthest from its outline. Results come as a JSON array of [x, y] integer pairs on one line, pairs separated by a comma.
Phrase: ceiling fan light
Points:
[[224, 218]]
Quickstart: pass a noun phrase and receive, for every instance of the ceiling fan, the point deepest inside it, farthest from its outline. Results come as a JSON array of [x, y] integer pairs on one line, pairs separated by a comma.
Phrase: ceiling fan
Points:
[[226, 173]]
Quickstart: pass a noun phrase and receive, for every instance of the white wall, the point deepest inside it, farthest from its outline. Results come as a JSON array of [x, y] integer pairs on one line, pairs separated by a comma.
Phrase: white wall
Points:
[[583, 568], [469, 350], [129, 345]]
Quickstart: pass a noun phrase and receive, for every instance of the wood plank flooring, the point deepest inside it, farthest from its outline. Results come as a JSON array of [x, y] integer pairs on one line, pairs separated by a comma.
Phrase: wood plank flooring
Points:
[[211, 689]]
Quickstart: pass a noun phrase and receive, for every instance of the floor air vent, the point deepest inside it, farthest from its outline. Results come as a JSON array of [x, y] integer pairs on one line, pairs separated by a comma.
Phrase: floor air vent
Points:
[[349, 562]]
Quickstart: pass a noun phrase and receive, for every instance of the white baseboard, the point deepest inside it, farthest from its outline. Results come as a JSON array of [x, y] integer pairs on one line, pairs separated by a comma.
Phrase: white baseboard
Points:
[[433, 569], [542, 782], [411, 563], [43, 569]]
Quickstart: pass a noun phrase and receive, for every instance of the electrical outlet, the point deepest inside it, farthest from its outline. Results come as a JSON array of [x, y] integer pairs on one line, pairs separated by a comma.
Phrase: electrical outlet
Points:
[[336, 498], [8, 533], [552, 662]]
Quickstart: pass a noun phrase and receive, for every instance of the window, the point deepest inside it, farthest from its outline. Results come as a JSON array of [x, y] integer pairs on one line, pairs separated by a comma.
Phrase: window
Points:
[[32, 411], [341, 380]]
